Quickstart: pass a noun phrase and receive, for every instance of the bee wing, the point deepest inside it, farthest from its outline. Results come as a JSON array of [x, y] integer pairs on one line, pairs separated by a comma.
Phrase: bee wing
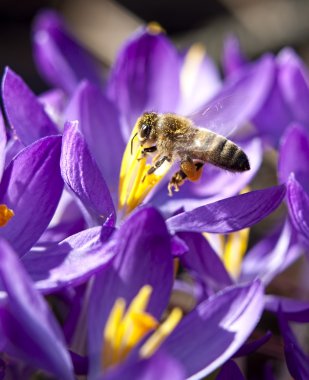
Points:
[[219, 116], [239, 99]]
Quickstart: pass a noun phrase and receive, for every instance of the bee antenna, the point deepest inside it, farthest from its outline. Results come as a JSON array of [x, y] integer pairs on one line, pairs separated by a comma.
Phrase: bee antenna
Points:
[[132, 142]]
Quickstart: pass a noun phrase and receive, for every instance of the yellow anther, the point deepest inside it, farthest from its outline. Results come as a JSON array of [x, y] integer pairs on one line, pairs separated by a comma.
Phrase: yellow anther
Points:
[[135, 184], [154, 27], [6, 215], [125, 329], [163, 331], [235, 249], [109, 354]]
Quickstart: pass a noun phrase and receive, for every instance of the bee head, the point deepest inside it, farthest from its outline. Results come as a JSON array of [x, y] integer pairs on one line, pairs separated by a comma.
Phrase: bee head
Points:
[[147, 128]]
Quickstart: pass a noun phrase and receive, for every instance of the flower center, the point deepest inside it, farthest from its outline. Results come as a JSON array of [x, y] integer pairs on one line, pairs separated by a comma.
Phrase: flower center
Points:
[[126, 328], [134, 183], [6, 215]]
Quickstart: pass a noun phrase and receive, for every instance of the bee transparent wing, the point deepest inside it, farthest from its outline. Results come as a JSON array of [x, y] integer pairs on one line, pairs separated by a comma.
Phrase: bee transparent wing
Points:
[[239, 99], [220, 115]]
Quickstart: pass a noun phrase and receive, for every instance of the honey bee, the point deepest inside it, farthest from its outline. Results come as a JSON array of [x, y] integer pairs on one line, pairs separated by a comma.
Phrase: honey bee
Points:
[[175, 138]]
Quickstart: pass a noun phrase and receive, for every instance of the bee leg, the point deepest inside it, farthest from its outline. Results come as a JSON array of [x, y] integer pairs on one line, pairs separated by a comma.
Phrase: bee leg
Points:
[[176, 181], [156, 165], [189, 170], [192, 170], [144, 152]]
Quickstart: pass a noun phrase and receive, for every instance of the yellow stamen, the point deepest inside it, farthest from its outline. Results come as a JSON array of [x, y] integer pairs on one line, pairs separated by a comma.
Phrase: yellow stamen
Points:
[[109, 356], [125, 329], [6, 215], [135, 184], [155, 28], [235, 249], [158, 337]]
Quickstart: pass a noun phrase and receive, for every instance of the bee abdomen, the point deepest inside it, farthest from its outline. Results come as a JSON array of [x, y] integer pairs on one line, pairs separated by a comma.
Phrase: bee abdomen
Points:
[[227, 155]]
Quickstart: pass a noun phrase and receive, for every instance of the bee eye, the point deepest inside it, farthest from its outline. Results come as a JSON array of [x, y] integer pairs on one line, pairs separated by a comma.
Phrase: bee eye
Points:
[[145, 131]]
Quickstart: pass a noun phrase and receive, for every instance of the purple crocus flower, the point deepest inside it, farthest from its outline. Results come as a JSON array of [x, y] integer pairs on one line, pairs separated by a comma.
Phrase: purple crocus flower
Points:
[[130, 259], [135, 266], [27, 323], [295, 143], [288, 96]]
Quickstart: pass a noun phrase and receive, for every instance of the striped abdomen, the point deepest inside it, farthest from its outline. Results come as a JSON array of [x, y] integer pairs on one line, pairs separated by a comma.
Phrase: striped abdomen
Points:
[[219, 151]]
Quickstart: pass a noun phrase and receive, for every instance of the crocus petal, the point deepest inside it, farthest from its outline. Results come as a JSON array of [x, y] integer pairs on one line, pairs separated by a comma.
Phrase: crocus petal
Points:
[[230, 371], [293, 80], [199, 79], [142, 256], [3, 140], [71, 262], [31, 186], [293, 310], [230, 214], [54, 102], [100, 126], [295, 143], [25, 113], [233, 58], [215, 330], [250, 347], [31, 332], [271, 256], [156, 367], [83, 177], [145, 76], [204, 262], [239, 99], [298, 203], [297, 361], [178, 246], [67, 220], [59, 58]]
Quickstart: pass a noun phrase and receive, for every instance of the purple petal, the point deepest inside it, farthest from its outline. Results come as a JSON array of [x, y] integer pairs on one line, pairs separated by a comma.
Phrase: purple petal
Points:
[[296, 360], [67, 220], [83, 177], [3, 140], [205, 82], [295, 143], [71, 262], [230, 371], [31, 332], [230, 214], [275, 114], [59, 58], [156, 367], [215, 330], [143, 256], [204, 262], [298, 204], [233, 58], [25, 113], [179, 247], [239, 99], [100, 126], [54, 102], [31, 186], [250, 347], [293, 310], [294, 84], [145, 76], [271, 256]]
